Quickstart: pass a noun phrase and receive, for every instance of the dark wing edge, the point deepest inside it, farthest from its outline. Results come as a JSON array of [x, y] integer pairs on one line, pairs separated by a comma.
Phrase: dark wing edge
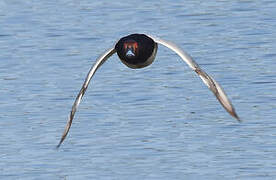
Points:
[[89, 76], [208, 80]]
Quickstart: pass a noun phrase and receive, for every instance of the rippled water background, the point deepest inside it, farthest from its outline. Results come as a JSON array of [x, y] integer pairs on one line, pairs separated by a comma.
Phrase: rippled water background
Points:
[[160, 122]]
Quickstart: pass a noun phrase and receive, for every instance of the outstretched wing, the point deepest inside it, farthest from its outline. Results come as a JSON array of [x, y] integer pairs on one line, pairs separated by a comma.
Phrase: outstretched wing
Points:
[[208, 80], [92, 71]]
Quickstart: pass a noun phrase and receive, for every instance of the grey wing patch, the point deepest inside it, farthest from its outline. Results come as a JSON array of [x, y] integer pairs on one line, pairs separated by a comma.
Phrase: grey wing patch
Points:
[[90, 74], [208, 80]]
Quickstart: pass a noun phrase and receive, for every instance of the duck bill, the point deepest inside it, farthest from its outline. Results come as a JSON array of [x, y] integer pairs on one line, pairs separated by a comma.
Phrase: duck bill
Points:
[[130, 53]]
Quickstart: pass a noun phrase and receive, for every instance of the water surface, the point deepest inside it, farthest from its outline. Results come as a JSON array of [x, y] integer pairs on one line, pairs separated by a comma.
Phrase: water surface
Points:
[[160, 122]]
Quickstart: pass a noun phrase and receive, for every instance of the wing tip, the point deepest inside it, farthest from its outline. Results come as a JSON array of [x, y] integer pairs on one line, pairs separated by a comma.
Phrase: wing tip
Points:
[[60, 142], [239, 120], [234, 114], [57, 146]]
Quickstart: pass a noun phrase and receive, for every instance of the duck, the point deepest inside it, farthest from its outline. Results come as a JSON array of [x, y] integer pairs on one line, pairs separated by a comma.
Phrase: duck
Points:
[[139, 51]]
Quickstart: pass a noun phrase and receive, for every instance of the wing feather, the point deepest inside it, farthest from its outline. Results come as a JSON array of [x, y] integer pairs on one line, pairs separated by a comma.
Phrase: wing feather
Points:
[[89, 76], [208, 80]]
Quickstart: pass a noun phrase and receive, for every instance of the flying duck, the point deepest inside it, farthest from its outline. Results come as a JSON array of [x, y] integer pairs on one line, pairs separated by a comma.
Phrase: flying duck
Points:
[[138, 51]]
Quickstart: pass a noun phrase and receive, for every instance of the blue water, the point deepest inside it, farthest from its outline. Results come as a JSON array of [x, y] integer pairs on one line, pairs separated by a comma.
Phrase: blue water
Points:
[[160, 122]]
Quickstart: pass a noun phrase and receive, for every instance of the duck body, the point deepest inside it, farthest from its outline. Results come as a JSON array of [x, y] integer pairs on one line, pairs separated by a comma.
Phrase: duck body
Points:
[[136, 50]]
